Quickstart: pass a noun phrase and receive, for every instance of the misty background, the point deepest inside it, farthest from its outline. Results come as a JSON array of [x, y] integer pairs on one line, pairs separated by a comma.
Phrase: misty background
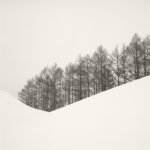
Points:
[[34, 34]]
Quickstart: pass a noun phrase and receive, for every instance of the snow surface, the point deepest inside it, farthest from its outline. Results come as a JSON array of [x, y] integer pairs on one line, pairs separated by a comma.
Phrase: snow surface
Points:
[[118, 119]]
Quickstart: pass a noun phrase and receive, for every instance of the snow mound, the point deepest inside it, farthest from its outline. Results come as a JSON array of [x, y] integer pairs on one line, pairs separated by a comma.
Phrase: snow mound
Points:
[[5, 98], [118, 119]]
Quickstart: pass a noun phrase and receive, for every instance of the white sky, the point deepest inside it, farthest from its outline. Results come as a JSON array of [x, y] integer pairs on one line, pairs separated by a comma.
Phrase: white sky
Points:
[[35, 33]]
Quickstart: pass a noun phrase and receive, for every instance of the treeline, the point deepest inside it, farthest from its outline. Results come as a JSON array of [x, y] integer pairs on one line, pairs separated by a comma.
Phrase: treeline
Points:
[[54, 87]]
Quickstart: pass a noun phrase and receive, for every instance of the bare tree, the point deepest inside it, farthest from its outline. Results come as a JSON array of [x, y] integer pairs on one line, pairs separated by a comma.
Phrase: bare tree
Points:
[[116, 64], [134, 51], [146, 55], [123, 64]]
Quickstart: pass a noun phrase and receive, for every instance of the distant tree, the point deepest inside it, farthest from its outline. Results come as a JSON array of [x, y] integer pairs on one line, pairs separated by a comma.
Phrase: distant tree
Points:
[[80, 77], [101, 58], [88, 74], [69, 80], [23, 95], [134, 51], [116, 64], [56, 74], [109, 76], [123, 64], [146, 55], [40, 97]]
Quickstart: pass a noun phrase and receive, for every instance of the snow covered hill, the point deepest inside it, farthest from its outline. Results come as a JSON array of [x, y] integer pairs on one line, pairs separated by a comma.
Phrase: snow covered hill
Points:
[[118, 119]]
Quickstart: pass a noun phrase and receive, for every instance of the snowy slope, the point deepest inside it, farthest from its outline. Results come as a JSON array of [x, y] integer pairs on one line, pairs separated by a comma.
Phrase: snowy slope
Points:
[[118, 119]]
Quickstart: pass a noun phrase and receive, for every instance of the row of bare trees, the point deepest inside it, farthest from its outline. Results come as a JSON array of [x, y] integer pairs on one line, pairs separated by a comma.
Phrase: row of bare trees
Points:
[[54, 87]]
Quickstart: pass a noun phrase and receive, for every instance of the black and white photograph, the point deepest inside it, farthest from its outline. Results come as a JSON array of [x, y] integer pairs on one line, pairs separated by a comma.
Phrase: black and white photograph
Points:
[[74, 75]]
